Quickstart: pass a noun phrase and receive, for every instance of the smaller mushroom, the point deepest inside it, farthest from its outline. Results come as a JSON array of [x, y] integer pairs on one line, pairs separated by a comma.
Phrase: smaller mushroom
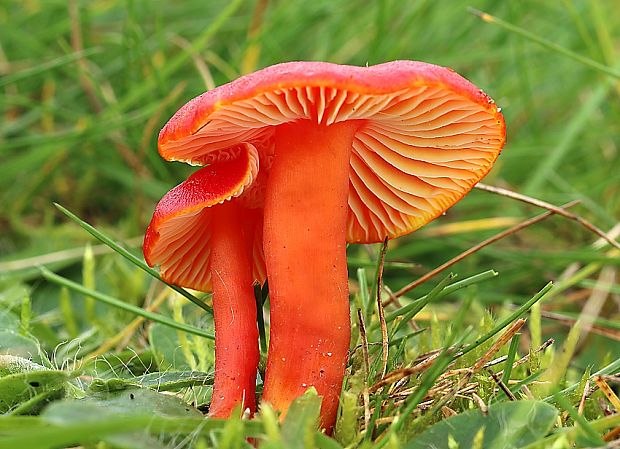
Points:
[[205, 235]]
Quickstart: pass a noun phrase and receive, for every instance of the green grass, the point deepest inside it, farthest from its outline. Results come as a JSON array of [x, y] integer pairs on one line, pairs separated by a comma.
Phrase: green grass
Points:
[[85, 88]]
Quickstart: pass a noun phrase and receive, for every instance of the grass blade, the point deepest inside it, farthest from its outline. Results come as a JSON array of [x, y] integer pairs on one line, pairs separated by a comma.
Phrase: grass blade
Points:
[[53, 277], [512, 317], [574, 128], [546, 43], [41, 68], [592, 435], [512, 351], [197, 46], [485, 275], [419, 305], [430, 376], [612, 368], [130, 257]]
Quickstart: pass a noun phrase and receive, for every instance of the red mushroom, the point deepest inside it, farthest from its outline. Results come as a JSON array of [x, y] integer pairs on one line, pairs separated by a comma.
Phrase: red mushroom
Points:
[[206, 234], [356, 154]]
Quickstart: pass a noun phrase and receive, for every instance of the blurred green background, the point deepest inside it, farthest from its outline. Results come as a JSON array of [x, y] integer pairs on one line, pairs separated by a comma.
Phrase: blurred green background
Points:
[[85, 87]]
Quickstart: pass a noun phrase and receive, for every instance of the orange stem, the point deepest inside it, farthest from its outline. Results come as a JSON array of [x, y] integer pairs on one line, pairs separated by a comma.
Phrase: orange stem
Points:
[[234, 310], [305, 254]]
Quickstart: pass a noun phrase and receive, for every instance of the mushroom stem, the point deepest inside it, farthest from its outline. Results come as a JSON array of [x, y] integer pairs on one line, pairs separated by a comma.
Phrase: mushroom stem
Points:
[[305, 254], [234, 310]]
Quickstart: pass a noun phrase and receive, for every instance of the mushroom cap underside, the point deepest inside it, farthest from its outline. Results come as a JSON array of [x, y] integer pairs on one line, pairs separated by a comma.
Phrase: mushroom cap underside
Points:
[[178, 236], [426, 134]]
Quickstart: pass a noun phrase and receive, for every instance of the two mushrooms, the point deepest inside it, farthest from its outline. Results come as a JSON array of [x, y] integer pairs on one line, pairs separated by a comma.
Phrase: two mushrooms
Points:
[[299, 159]]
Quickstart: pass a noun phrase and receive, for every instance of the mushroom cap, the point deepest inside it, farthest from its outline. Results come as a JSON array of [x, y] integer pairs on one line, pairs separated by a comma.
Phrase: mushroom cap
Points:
[[178, 236], [426, 134]]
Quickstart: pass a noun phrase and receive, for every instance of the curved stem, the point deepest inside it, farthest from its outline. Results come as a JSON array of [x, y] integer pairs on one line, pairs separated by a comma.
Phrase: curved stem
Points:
[[234, 309], [305, 254]]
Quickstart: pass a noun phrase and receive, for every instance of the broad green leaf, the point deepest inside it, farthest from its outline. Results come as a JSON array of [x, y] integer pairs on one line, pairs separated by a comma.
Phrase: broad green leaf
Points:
[[23, 386], [41, 433], [15, 424], [129, 401], [159, 381], [136, 440], [166, 345], [322, 441], [123, 364], [10, 364], [174, 380], [299, 427], [12, 296], [110, 400], [110, 385], [8, 321], [16, 342], [231, 436], [508, 425], [35, 404]]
